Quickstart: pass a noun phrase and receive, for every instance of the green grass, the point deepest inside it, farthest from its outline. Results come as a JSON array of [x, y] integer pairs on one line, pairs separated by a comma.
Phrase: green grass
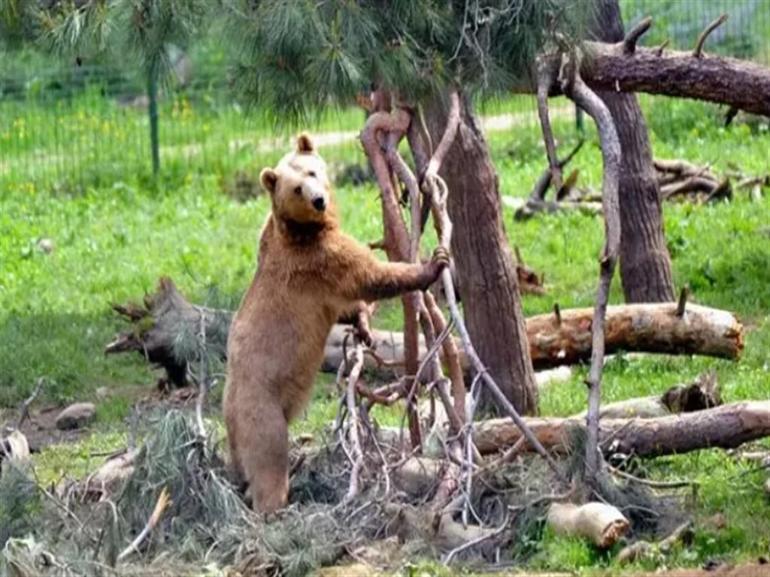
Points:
[[115, 235]]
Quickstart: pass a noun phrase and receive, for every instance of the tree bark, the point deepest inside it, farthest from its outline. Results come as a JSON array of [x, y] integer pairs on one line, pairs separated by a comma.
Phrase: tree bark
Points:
[[737, 83], [642, 327], [645, 265], [726, 427], [485, 266]]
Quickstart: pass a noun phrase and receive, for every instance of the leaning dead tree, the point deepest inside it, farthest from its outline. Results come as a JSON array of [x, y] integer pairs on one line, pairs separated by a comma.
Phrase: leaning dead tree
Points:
[[627, 67]]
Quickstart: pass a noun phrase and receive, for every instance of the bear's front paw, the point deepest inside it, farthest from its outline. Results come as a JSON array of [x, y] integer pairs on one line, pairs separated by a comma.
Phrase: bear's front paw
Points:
[[440, 259]]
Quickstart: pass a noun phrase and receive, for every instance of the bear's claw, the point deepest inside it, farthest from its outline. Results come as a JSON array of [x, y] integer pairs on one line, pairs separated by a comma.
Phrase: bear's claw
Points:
[[441, 256]]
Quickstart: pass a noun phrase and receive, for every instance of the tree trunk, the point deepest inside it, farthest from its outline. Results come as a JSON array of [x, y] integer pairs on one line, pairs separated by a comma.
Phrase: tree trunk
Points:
[[152, 99], [486, 270], [726, 427], [645, 265]]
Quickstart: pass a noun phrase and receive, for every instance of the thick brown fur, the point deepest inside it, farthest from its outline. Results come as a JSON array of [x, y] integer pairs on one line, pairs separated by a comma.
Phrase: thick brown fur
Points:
[[309, 273]]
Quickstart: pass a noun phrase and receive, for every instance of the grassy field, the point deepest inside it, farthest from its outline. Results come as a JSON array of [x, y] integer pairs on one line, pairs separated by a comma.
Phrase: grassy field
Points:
[[116, 234]]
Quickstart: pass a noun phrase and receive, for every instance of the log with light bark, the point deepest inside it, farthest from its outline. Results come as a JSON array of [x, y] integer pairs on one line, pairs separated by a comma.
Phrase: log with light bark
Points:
[[555, 339], [656, 328], [726, 427], [600, 523]]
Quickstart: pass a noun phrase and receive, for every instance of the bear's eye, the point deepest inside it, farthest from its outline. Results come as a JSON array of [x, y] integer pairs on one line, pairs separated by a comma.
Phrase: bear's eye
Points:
[[311, 174], [298, 190]]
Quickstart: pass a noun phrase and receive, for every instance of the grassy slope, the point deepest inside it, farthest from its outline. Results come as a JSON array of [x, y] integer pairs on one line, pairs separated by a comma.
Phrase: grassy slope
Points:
[[113, 241]]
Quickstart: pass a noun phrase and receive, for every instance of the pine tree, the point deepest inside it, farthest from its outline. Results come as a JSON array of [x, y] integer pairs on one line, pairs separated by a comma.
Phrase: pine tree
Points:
[[141, 30], [296, 56]]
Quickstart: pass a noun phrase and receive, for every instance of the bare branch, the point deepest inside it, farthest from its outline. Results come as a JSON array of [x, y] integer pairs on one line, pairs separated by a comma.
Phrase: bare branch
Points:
[[698, 50], [157, 513], [682, 304], [396, 239], [545, 79], [577, 90], [203, 375], [24, 409], [350, 396], [633, 36]]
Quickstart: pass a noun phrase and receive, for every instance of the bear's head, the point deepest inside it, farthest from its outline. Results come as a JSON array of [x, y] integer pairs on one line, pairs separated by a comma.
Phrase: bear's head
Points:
[[299, 187]]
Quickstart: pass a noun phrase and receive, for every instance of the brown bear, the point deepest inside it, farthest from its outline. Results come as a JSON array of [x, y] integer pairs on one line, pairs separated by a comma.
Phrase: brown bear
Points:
[[308, 273]]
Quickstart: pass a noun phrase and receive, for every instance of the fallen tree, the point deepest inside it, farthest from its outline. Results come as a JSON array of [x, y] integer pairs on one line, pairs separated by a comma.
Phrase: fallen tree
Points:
[[559, 338], [626, 67], [725, 427]]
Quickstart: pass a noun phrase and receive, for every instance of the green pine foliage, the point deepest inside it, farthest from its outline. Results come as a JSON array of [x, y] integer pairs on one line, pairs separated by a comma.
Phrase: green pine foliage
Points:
[[296, 56], [139, 29]]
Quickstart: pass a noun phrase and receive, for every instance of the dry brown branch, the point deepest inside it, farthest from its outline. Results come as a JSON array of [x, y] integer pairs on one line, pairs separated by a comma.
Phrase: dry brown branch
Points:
[[545, 78], [24, 409], [451, 357], [651, 483], [438, 197], [161, 505], [641, 549], [577, 90], [698, 50], [396, 239], [682, 304]]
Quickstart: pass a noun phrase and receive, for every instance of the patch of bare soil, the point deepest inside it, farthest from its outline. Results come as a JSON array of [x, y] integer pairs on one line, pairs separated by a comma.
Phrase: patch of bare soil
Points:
[[40, 429], [40, 426]]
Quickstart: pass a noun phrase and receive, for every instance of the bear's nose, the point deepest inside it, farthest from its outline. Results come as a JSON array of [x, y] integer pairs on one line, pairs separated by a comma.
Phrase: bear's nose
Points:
[[319, 203]]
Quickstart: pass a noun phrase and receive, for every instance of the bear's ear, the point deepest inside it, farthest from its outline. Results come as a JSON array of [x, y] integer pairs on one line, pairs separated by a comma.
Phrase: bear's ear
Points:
[[305, 144], [269, 179]]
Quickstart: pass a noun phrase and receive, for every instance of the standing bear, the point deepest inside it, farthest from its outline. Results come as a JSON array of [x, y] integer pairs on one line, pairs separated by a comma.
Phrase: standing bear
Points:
[[308, 273]]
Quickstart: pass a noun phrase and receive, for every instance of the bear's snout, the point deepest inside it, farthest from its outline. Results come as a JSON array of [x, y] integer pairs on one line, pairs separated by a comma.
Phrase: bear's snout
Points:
[[319, 203]]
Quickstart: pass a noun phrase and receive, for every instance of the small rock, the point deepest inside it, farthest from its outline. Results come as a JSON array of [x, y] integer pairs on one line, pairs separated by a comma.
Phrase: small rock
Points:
[[46, 245], [76, 416], [102, 393]]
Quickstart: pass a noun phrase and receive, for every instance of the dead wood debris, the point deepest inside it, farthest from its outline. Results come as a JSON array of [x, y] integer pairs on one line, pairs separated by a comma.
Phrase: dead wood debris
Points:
[[679, 181]]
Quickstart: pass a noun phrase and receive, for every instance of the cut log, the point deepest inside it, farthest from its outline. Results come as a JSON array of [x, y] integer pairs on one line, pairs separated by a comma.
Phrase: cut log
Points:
[[725, 427], [566, 340], [653, 328], [600, 523]]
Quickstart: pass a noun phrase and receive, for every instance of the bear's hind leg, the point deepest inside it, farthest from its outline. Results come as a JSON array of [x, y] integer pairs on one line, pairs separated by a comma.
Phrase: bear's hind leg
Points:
[[263, 455]]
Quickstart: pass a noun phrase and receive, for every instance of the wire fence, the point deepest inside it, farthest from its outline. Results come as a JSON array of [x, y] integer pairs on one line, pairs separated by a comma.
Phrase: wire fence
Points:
[[80, 126]]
